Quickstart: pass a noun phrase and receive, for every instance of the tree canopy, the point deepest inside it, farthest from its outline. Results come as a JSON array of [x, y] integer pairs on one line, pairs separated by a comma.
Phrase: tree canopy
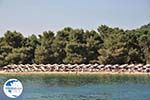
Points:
[[105, 45]]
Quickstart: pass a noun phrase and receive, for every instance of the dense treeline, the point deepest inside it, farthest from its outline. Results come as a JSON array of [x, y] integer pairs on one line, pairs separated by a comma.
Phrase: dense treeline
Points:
[[105, 46]]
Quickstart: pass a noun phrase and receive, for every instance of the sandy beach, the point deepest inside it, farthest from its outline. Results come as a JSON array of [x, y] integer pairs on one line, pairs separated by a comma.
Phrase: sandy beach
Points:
[[78, 73]]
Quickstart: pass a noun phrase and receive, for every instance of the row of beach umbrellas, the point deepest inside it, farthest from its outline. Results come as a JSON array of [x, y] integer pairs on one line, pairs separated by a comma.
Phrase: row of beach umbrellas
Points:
[[77, 68]]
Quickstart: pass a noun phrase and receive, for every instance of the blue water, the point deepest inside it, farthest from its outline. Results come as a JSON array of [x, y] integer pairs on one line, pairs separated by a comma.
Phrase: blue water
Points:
[[81, 87]]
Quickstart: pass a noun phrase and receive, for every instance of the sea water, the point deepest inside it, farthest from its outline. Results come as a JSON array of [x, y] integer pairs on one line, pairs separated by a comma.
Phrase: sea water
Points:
[[80, 87]]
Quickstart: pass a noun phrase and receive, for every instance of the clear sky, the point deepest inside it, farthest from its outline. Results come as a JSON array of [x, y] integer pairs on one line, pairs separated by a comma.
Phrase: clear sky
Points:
[[36, 16]]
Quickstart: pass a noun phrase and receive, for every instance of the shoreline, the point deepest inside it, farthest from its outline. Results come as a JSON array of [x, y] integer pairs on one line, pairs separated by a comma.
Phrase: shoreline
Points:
[[79, 69], [73, 73]]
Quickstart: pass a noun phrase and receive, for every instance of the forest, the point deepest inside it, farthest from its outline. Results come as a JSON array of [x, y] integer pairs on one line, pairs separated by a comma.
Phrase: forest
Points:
[[106, 45]]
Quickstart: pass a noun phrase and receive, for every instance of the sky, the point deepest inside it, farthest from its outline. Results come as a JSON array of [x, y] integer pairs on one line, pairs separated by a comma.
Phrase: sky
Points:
[[35, 16]]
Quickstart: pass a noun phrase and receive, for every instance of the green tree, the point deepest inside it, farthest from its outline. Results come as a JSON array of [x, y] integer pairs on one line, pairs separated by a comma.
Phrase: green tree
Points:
[[114, 49], [59, 44], [4, 50], [44, 53], [135, 53], [93, 44], [14, 39], [107, 46], [144, 41], [20, 56], [76, 48]]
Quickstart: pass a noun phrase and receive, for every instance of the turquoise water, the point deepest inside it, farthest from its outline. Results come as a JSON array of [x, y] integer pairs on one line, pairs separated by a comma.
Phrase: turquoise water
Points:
[[81, 87]]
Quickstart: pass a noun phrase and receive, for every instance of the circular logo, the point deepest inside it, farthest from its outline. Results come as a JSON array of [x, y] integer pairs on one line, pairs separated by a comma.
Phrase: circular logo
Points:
[[13, 88]]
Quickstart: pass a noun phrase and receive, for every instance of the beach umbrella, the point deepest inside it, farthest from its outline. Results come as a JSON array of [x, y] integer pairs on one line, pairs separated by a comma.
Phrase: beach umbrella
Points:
[[5, 67], [115, 66], [130, 66], [100, 66], [138, 65], [146, 66], [108, 66], [123, 66]]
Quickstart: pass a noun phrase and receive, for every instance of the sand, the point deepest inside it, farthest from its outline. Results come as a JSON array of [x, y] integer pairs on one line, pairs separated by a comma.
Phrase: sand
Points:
[[98, 73]]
